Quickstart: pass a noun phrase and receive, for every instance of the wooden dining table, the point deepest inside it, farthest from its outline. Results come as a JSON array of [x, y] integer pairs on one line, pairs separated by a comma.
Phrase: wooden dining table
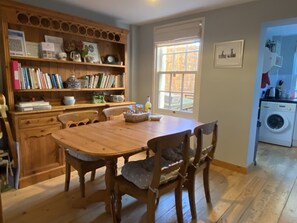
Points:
[[116, 138]]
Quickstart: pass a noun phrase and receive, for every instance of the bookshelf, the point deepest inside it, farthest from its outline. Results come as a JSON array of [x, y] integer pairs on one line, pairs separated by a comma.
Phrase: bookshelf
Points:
[[35, 27], [40, 157]]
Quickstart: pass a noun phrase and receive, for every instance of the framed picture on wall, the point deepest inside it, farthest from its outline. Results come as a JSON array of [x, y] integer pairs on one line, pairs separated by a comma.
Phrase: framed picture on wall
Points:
[[228, 54]]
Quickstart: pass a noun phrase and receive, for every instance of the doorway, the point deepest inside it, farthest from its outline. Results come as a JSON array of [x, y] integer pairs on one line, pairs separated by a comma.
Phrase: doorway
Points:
[[280, 73]]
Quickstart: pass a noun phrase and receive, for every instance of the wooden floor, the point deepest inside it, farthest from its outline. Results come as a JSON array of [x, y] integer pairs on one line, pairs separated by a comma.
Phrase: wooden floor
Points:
[[267, 195]]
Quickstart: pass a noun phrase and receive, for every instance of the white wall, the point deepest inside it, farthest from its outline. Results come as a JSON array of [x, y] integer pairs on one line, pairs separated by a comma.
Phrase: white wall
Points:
[[231, 94]]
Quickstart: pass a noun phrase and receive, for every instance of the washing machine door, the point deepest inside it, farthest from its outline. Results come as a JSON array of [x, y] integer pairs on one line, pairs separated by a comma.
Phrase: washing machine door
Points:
[[276, 122]]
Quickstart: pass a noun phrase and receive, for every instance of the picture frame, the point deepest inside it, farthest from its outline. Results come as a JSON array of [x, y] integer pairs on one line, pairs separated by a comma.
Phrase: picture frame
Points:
[[93, 52], [32, 49], [228, 54], [57, 41], [17, 43]]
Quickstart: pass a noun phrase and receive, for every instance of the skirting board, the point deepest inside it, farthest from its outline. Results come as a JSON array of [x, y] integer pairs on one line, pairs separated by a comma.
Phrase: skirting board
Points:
[[233, 167]]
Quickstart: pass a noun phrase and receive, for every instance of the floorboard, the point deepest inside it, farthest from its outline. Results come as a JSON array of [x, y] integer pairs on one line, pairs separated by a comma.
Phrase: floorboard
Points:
[[289, 213], [267, 194]]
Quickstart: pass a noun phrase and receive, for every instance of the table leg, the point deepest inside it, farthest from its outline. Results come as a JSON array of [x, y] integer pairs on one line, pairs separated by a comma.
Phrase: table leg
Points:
[[105, 195], [110, 173]]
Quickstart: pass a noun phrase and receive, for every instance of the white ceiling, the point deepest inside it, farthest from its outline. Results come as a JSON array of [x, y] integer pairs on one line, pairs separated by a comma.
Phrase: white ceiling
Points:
[[144, 11]]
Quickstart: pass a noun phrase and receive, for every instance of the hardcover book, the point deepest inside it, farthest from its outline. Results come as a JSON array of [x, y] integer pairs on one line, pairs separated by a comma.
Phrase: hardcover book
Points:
[[14, 65]]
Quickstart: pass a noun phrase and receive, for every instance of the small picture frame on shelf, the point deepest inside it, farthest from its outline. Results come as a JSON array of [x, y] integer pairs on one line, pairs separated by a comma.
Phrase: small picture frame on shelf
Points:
[[17, 43], [32, 49], [57, 41], [93, 55], [47, 50]]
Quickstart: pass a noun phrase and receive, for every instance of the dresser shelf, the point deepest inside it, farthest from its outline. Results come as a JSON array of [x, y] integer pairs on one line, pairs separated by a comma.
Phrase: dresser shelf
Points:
[[65, 62], [70, 90]]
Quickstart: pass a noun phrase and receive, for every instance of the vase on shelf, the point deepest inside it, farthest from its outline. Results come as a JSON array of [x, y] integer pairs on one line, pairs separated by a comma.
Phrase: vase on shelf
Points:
[[75, 56], [72, 82]]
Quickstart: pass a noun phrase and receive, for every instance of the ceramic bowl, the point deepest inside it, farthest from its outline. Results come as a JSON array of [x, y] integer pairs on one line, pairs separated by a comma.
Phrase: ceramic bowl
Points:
[[69, 100]]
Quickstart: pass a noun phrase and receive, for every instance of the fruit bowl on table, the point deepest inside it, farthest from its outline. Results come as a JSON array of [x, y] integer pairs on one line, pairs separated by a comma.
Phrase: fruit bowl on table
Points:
[[136, 117]]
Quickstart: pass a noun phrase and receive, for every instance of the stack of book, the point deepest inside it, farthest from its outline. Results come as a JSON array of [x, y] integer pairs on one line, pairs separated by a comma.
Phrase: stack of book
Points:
[[33, 78], [103, 80], [33, 105]]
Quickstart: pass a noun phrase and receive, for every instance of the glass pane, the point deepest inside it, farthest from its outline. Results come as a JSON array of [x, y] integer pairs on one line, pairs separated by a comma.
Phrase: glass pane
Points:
[[189, 83], [164, 82], [176, 85], [163, 100], [188, 102], [181, 48], [192, 61], [169, 49], [167, 62], [275, 121], [194, 46], [179, 62], [175, 102]]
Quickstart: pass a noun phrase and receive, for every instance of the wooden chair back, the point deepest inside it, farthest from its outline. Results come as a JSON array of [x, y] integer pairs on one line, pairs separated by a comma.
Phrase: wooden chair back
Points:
[[165, 178], [115, 112], [83, 163], [205, 151], [206, 135], [162, 143], [73, 119]]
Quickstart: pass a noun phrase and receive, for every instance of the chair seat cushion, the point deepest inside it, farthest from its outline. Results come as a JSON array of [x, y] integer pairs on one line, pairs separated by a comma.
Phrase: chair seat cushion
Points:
[[140, 172], [82, 156], [175, 154]]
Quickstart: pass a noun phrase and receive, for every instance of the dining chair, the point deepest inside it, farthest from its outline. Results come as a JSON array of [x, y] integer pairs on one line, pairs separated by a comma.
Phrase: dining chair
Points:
[[199, 159], [148, 179], [117, 112], [206, 136], [83, 163]]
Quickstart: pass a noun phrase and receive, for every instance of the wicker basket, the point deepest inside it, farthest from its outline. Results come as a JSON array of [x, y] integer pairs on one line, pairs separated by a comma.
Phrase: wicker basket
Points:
[[133, 117]]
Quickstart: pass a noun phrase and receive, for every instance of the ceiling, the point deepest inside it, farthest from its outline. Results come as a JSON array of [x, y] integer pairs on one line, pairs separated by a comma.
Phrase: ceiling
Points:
[[144, 11]]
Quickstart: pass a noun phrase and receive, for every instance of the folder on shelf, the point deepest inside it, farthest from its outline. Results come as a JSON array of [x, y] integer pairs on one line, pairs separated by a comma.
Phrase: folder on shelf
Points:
[[15, 74]]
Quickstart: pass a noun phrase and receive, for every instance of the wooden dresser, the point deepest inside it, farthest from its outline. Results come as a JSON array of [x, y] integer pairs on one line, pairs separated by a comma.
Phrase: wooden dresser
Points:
[[40, 157]]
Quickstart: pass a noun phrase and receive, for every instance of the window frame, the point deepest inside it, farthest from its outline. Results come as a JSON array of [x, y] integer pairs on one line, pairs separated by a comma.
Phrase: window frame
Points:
[[156, 89]]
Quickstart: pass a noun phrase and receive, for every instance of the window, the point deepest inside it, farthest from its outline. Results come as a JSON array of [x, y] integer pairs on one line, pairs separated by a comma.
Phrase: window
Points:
[[177, 68], [177, 47]]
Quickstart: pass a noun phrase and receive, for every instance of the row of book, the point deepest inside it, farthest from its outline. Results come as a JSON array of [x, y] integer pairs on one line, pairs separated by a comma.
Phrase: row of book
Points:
[[33, 78], [103, 80]]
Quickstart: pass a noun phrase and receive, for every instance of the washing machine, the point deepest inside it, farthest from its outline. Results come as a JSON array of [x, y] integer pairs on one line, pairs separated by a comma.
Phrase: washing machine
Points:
[[277, 122]]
